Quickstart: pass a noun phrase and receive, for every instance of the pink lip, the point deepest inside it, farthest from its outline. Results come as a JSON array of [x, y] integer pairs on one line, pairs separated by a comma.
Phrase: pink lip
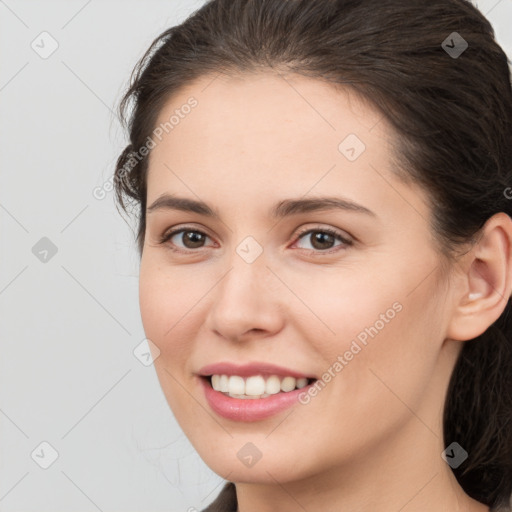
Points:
[[251, 409], [246, 370]]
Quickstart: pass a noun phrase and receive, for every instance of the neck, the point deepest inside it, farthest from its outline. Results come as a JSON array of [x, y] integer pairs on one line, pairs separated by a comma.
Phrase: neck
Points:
[[406, 474]]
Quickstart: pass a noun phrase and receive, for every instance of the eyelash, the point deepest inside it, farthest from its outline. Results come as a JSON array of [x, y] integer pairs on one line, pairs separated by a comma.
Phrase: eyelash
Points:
[[168, 235]]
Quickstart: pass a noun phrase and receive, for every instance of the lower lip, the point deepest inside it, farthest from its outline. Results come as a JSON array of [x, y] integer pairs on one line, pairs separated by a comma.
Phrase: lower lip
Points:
[[250, 409]]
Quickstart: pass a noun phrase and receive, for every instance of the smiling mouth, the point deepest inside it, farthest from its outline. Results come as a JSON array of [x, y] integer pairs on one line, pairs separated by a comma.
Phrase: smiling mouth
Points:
[[255, 386]]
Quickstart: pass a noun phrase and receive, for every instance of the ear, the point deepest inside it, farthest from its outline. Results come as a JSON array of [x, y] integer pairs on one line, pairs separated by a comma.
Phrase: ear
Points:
[[486, 280]]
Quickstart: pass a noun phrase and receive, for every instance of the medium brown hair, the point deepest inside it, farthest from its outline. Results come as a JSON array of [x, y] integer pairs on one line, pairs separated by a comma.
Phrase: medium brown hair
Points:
[[452, 116]]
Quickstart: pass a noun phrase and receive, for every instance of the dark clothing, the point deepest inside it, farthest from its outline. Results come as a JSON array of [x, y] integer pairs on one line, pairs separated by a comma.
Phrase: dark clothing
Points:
[[226, 500]]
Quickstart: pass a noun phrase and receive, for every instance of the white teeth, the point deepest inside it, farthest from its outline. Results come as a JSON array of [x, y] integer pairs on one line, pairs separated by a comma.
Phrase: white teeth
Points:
[[255, 386], [273, 385], [223, 384], [288, 383], [236, 385], [302, 382]]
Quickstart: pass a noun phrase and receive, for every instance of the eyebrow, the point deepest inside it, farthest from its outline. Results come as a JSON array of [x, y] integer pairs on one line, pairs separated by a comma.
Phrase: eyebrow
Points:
[[284, 208]]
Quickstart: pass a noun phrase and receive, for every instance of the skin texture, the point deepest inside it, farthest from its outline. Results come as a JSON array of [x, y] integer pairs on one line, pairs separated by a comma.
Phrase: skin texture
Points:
[[371, 440]]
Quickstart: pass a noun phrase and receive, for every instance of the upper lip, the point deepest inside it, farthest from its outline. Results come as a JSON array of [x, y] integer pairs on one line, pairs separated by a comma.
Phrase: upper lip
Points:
[[246, 370]]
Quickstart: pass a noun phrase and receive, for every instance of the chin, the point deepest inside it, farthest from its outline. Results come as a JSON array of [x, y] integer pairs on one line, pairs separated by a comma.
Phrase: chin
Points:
[[238, 460]]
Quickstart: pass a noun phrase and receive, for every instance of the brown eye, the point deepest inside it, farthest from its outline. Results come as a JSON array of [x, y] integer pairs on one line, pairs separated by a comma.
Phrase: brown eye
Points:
[[321, 240], [190, 238], [324, 239]]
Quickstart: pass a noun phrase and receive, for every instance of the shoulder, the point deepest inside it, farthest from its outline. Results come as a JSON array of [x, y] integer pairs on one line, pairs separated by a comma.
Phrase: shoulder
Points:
[[226, 500]]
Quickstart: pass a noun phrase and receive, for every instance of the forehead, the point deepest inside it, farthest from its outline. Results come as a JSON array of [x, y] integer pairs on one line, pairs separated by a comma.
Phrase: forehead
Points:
[[281, 135], [265, 101]]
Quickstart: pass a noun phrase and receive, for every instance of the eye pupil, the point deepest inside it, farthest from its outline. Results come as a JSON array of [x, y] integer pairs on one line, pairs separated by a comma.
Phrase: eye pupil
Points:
[[194, 238], [321, 237]]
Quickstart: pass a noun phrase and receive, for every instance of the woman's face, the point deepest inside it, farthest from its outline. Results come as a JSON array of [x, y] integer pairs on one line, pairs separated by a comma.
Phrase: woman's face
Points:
[[362, 310]]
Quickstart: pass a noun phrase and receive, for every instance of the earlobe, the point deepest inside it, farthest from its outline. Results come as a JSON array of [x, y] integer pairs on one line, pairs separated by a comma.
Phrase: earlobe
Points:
[[487, 280]]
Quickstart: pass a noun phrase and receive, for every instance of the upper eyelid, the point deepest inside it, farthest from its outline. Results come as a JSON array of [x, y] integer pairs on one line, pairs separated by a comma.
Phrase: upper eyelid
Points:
[[342, 235], [168, 233]]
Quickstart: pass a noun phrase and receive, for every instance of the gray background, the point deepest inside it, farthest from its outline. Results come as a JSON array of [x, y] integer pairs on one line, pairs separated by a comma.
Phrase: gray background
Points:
[[70, 323]]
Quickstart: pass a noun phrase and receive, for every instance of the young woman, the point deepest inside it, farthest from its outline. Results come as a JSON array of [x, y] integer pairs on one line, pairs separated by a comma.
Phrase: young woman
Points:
[[323, 190]]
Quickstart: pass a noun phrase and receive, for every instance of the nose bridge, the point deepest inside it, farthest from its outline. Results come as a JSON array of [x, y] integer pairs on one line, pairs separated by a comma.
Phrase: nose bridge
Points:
[[244, 299], [244, 284], [247, 263]]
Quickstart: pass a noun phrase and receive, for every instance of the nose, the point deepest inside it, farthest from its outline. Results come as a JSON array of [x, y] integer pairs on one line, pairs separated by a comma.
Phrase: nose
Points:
[[248, 302]]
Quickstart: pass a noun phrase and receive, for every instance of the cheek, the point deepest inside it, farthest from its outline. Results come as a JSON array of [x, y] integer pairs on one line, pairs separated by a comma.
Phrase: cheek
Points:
[[346, 305], [388, 305], [166, 323], [380, 338], [165, 298], [154, 301]]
